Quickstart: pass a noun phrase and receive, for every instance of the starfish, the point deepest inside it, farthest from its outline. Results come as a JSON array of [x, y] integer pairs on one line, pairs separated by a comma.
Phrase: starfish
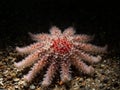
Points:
[[59, 50]]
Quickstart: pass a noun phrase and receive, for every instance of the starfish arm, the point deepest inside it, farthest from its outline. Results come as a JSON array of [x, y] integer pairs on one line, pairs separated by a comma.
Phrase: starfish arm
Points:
[[55, 31], [50, 74], [87, 57], [30, 59], [82, 66], [69, 31], [29, 49], [82, 38], [39, 37], [36, 68], [91, 48], [65, 72]]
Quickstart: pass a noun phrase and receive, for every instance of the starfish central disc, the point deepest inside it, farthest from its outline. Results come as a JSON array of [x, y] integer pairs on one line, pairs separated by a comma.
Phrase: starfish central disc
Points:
[[61, 45]]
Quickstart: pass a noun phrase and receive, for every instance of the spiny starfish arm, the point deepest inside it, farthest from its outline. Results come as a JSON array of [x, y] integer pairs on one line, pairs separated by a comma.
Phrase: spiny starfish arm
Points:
[[91, 48], [69, 31], [39, 37], [87, 57], [30, 59], [65, 71], [55, 31], [50, 74], [30, 48], [36, 68], [82, 66], [82, 38]]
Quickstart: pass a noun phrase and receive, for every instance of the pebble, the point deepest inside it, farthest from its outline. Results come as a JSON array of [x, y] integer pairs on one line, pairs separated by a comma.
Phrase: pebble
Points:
[[58, 88], [10, 58], [16, 79], [101, 86], [1, 81], [16, 87], [32, 87], [93, 89], [22, 83], [104, 61], [105, 80], [88, 80], [102, 65], [81, 79]]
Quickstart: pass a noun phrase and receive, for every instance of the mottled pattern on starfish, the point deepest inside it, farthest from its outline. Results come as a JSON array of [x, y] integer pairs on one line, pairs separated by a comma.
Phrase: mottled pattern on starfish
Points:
[[59, 50]]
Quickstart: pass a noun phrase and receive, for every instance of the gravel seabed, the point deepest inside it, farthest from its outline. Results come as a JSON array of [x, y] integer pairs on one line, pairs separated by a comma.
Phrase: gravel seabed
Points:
[[106, 76]]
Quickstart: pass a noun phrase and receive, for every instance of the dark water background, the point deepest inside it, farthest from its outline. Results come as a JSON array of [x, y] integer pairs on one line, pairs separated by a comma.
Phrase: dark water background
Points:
[[17, 18]]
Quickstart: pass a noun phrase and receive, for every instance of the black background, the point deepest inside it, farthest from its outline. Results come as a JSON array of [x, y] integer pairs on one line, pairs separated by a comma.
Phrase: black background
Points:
[[17, 18]]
